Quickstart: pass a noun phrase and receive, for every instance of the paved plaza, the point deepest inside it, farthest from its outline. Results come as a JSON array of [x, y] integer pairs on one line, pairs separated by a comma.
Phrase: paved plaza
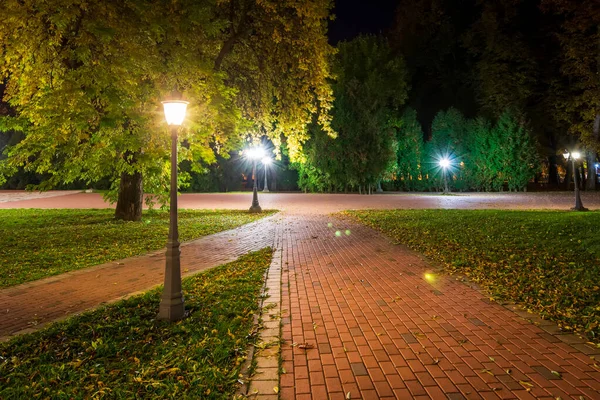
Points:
[[358, 318]]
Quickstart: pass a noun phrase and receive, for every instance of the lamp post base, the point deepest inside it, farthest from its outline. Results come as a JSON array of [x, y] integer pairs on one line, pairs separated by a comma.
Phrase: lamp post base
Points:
[[171, 309], [579, 209], [265, 190], [255, 209]]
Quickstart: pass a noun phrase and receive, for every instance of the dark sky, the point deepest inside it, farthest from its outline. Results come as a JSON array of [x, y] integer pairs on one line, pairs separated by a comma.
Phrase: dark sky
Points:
[[355, 16]]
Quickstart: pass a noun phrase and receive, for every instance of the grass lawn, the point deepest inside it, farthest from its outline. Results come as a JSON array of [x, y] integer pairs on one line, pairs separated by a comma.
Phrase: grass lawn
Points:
[[35, 244], [120, 351], [547, 260]]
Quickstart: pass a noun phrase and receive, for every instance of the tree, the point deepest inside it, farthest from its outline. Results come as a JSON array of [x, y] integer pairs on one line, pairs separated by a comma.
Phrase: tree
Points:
[[517, 151], [578, 104], [448, 135], [86, 78], [428, 35], [483, 158], [409, 156], [370, 87], [506, 70]]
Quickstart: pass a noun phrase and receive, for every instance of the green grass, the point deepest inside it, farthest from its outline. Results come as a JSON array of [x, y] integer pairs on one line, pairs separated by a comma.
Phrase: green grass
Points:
[[547, 260], [121, 352], [35, 244]]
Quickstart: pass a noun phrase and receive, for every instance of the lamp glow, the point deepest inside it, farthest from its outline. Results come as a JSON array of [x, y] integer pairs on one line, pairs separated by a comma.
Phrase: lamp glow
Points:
[[175, 111], [576, 155], [255, 153], [267, 160], [444, 163]]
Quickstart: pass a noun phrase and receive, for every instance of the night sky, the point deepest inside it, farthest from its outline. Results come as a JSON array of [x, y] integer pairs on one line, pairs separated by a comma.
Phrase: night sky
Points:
[[354, 17]]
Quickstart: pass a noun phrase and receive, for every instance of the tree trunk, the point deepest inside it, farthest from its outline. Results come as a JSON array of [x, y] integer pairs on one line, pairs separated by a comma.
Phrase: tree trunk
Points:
[[591, 157], [590, 173], [129, 204], [552, 171], [568, 175]]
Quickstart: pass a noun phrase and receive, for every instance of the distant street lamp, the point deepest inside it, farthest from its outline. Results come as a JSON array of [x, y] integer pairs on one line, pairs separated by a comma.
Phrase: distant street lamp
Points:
[[171, 303], [255, 153], [266, 162], [574, 156], [445, 164]]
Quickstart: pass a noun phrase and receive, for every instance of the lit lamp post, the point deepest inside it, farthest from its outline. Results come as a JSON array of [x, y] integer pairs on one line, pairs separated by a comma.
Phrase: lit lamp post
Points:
[[445, 164], [255, 153], [266, 162], [578, 204], [171, 303]]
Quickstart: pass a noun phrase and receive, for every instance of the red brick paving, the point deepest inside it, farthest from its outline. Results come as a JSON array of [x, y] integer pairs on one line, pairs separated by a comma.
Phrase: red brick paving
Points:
[[324, 203], [33, 304], [375, 327], [378, 329]]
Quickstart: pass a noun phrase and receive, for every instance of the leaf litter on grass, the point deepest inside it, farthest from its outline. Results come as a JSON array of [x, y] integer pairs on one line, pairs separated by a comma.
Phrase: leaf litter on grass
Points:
[[122, 351]]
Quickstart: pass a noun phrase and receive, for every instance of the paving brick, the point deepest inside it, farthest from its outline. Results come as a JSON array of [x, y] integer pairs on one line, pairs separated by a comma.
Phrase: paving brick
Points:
[[369, 318]]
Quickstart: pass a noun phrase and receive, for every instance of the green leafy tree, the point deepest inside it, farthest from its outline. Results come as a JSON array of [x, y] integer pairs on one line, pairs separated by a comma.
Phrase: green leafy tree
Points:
[[517, 150], [409, 156], [483, 156], [369, 89], [448, 134], [86, 80]]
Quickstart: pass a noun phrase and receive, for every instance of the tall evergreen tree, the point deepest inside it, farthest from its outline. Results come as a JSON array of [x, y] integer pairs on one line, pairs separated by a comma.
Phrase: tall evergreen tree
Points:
[[409, 157], [370, 87]]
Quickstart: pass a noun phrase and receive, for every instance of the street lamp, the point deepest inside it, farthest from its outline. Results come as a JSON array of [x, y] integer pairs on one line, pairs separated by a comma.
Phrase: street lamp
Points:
[[445, 164], [266, 162], [255, 153], [171, 303], [574, 156]]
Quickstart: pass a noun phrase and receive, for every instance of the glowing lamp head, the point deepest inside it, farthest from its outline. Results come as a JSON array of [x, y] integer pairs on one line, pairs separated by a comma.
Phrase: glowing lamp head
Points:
[[444, 163], [175, 111], [267, 160], [576, 155], [255, 153]]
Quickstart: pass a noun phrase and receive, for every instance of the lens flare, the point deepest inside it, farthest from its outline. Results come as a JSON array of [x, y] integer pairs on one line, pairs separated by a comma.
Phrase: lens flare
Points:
[[338, 233], [348, 232]]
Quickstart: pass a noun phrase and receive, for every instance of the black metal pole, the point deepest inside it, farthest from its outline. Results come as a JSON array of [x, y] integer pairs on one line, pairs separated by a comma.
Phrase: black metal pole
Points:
[[445, 181], [266, 188], [578, 204], [171, 304], [255, 206]]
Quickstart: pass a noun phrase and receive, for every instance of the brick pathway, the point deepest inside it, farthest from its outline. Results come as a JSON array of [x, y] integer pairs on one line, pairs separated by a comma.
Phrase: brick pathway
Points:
[[377, 329], [28, 306], [324, 203], [373, 325]]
